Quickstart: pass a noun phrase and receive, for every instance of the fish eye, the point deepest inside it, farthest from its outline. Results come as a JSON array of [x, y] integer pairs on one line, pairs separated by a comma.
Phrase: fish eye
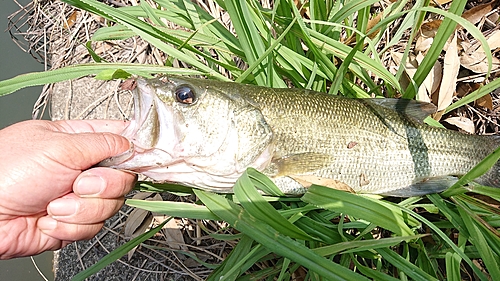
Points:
[[185, 94]]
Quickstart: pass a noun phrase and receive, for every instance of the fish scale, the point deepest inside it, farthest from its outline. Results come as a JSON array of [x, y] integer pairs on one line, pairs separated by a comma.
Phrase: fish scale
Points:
[[372, 145], [383, 139]]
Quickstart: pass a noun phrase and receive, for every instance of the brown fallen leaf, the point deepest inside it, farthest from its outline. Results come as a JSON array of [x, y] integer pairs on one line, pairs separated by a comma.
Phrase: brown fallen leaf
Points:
[[463, 123], [465, 88], [430, 28], [308, 180], [70, 21], [426, 35], [173, 234], [371, 23], [441, 2], [432, 81], [477, 62], [410, 69], [138, 222], [450, 72], [485, 101], [102, 47], [494, 40], [475, 14]]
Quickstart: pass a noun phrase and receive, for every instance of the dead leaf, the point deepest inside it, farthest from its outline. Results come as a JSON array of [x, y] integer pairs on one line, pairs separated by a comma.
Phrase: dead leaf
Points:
[[173, 234], [432, 81], [102, 47], [142, 195], [371, 23], [308, 180], [426, 35], [430, 28], [463, 123], [70, 21], [410, 70], [450, 71], [129, 84], [136, 219], [493, 17], [475, 14], [138, 222], [477, 62], [441, 2], [464, 89], [437, 116], [485, 101], [423, 44], [494, 40]]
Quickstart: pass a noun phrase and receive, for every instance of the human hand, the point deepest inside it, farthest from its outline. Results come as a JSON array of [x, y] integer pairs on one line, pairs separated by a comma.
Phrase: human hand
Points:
[[50, 193]]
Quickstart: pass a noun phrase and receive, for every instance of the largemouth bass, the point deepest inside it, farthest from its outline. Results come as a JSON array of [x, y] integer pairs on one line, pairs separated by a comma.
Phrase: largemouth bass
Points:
[[204, 134]]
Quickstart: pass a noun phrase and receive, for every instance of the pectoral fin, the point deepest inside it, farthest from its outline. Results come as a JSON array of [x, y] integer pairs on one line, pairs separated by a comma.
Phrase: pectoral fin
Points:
[[307, 180], [301, 163], [425, 186]]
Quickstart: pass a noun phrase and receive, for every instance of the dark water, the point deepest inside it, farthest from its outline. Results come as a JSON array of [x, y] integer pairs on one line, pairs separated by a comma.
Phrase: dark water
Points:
[[14, 108]]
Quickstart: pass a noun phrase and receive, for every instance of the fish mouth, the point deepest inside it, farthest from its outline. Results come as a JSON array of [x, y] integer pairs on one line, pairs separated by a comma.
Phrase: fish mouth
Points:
[[143, 132]]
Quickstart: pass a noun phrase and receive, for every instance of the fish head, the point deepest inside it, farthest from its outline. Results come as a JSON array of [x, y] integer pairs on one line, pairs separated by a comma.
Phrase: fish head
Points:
[[194, 132]]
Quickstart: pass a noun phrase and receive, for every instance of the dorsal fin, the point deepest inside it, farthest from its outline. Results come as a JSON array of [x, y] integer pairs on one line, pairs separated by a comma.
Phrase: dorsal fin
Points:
[[416, 109]]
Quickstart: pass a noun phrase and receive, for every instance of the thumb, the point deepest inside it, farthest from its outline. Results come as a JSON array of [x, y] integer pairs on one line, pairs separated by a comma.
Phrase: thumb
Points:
[[88, 149], [87, 142]]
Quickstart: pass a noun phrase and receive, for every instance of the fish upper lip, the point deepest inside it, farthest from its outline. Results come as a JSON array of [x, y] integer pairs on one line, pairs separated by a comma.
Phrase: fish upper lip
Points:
[[143, 104]]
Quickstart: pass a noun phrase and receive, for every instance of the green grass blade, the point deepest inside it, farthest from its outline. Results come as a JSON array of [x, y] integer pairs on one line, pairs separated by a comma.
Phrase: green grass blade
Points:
[[474, 173], [76, 71], [342, 51], [252, 67], [153, 35], [242, 257], [452, 261], [271, 239], [374, 274], [341, 73], [448, 241], [174, 209], [451, 215], [263, 183], [363, 245], [350, 8], [259, 208], [446, 28], [117, 253], [252, 43], [482, 91], [374, 211], [405, 266], [477, 238]]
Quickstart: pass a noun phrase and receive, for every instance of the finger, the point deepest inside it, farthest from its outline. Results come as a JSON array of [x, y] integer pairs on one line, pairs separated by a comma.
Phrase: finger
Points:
[[87, 149], [104, 183], [68, 231], [77, 210], [90, 126]]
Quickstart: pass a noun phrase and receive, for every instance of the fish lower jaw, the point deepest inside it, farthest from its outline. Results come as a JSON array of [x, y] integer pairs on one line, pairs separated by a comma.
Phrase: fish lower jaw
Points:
[[193, 176]]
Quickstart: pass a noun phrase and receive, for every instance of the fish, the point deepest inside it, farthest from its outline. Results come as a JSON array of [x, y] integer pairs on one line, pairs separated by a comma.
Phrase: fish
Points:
[[204, 134]]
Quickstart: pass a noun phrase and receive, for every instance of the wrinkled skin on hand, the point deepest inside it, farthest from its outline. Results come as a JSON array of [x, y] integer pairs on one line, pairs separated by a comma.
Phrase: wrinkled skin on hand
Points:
[[50, 193]]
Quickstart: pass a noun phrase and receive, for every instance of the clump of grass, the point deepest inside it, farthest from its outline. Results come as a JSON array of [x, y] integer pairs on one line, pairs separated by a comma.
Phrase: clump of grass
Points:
[[331, 46]]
